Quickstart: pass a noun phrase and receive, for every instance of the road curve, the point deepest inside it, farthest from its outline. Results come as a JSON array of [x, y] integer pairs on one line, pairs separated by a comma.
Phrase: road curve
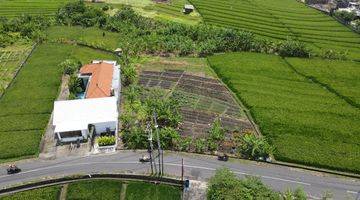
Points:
[[196, 167]]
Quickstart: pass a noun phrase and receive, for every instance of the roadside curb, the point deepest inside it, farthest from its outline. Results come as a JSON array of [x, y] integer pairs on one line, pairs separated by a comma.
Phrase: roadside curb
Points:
[[58, 181]]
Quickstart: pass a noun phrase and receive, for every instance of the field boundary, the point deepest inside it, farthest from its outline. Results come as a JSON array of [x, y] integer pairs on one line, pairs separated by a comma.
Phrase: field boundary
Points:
[[59, 181], [18, 70], [323, 85]]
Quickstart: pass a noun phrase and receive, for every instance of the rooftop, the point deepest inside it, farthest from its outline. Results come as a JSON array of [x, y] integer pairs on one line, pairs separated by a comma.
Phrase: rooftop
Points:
[[100, 84], [71, 115]]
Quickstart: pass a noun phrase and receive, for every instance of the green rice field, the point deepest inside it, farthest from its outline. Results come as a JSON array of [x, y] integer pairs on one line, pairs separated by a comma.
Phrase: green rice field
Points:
[[280, 19], [305, 121], [47, 193], [12, 8], [26, 105]]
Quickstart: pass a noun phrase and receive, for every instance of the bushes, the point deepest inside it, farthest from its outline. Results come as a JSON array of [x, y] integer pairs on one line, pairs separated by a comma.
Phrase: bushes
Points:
[[225, 185], [70, 66], [253, 147], [292, 48], [106, 140], [345, 16]]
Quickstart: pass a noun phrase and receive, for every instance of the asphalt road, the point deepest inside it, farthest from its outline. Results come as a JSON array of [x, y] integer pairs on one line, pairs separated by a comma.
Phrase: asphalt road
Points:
[[197, 167]]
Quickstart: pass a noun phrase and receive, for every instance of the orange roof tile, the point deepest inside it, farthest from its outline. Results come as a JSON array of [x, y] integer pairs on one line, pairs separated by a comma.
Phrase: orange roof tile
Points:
[[100, 81]]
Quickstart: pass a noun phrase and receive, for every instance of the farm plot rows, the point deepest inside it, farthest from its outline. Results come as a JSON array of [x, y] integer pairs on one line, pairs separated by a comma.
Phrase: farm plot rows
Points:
[[26, 105], [202, 100], [10, 8], [305, 122], [10, 61], [280, 19]]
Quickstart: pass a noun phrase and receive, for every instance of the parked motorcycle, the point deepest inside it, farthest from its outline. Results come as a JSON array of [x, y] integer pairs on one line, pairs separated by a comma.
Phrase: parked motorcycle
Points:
[[223, 157], [144, 159]]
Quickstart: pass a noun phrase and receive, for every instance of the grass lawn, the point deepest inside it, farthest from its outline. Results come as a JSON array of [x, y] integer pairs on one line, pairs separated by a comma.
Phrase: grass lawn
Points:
[[146, 191], [94, 189], [48, 193], [280, 19], [26, 106], [305, 122]]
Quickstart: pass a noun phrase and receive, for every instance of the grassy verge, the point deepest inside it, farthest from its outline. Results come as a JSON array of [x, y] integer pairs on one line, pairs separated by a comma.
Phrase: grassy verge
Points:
[[48, 193], [146, 191], [26, 106], [94, 189], [306, 123]]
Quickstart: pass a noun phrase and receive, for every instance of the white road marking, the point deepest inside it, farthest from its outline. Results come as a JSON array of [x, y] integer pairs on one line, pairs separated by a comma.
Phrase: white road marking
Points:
[[170, 164], [352, 192]]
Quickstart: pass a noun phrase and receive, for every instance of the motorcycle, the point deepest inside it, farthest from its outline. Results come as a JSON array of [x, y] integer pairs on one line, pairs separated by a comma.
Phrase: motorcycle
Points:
[[223, 157], [144, 159], [13, 169]]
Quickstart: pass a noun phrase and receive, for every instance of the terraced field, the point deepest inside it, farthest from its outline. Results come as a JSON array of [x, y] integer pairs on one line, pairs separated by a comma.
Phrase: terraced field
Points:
[[280, 19], [12, 8], [307, 121], [26, 105]]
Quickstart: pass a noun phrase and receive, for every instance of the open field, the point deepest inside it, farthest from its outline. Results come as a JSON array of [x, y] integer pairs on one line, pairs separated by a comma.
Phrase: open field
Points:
[[305, 122], [12, 8], [279, 19], [26, 105], [48, 193], [164, 11], [10, 61], [145, 191]]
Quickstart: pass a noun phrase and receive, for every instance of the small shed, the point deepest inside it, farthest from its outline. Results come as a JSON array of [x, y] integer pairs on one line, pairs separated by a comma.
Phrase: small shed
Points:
[[188, 8]]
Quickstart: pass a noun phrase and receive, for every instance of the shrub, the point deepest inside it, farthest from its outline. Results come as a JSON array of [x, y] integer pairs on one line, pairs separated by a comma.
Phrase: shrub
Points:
[[135, 138], [184, 144], [345, 16], [168, 137], [331, 54], [129, 74], [200, 145], [70, 66], [74, 86], [106, 140], [225, 185], [254, 147], [292, 48]]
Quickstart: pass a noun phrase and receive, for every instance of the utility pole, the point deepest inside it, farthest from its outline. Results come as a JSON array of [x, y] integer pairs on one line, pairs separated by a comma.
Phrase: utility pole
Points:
[[148, 128], [182, 169], [161, 162]]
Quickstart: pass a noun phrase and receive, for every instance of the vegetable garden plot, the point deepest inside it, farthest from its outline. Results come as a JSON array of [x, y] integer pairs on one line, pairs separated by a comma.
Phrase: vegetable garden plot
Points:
[[202, 100]]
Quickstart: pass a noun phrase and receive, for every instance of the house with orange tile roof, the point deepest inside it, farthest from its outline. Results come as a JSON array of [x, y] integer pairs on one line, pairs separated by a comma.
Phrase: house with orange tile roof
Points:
[[94, 112]]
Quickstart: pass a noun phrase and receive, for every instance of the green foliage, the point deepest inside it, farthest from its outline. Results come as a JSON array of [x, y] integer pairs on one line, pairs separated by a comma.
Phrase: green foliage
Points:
[[141, 190], [225, 185], [292, 48], [345, 16], [254, 147], [300, 118], [77, 13], [106, 140], [184, 144], [200, 145], [129, 74], [135, 137], [216, 135], [70, 66], [168, 137], [74, 85]]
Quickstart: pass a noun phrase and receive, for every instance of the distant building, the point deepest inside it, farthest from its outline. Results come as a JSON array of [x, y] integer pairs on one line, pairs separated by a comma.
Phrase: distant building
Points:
[[188, 8], [352, 7]]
